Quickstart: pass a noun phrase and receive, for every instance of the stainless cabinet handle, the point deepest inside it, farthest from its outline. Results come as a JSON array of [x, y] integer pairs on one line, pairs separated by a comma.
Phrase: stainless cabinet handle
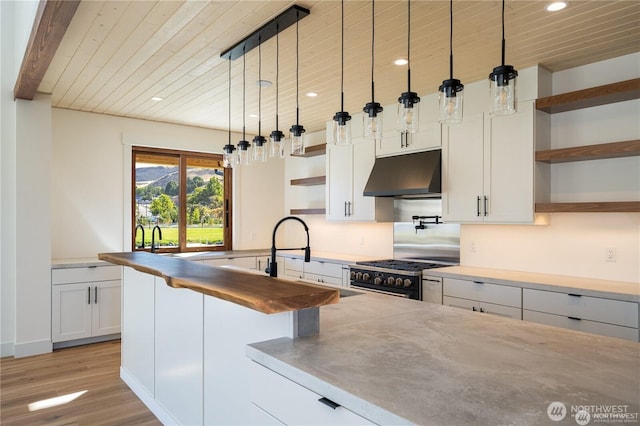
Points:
[[349, 203], [486, 210], [88, 295], [574, 295], [575, 318], [482, 310], [345, 208], [95, 295], [473, 308], [259, 265], [478, 206]]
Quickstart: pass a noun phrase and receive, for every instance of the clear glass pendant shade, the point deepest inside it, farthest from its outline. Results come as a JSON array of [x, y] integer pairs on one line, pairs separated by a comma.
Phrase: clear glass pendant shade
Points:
[[409, 113], [450, 100], [297, 140], [342, 128], [243, 157], [277, 144], [372, 127], [228, 156], [502, 87]]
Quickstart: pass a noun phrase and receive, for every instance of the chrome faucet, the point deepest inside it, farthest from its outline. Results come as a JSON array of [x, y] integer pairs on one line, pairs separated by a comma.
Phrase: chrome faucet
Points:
[[273, 266], [141, 246], [153, 237]]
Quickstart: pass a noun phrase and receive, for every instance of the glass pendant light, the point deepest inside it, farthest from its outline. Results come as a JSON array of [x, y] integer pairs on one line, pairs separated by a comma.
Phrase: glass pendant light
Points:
[[228, 157], [502, 84], [372, 117], [451, 90], [341, 121], [243, 145], [277, 137], [259, 141], [296, 130], [409, 102]]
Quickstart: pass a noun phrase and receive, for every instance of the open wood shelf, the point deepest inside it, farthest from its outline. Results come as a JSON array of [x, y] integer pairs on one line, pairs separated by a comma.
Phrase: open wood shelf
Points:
[[313, 151], [590, 207], [309, 181], [594, 96], [307, 211], [590, 152]]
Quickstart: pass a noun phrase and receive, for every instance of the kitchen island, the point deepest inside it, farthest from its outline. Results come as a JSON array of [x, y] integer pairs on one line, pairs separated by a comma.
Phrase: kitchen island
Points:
[[197, 359]]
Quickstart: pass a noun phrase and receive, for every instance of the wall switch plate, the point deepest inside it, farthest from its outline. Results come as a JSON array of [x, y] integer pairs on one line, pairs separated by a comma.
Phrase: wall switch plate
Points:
[[610, 254], [472, 247]]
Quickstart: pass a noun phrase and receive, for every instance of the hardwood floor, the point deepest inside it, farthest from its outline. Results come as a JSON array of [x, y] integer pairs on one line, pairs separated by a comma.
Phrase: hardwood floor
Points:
[[91, 368]]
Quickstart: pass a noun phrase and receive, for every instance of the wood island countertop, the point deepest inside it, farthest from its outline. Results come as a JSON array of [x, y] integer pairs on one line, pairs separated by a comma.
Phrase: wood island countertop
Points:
[[258, 292]]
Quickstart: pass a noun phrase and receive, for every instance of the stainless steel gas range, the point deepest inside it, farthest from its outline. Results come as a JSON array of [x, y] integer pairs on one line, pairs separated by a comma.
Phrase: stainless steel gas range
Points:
[[396, 277]]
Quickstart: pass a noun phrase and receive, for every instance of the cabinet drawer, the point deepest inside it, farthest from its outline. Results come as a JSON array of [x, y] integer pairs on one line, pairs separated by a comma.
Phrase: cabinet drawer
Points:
[[293, 264], [483, 292], [86, 274], [483, 307], [594, 327], [609, 311], [324, 268], [293, 404], [322, 279]]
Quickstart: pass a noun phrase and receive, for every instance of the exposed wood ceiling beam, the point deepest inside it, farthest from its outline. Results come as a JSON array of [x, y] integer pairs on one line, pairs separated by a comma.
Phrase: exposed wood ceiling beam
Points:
[[51, 22]]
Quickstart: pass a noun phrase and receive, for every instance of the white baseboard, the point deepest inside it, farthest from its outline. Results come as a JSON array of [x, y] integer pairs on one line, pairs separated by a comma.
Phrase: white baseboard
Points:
[[32, 348], [147, 398], [7, 349]]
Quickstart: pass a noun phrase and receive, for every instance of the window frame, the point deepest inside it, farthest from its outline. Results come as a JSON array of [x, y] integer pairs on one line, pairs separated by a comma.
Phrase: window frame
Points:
[[183, 156]]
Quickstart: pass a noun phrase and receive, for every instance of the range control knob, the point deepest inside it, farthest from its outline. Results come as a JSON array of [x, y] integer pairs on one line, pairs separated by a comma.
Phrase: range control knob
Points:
[[377, 281], [366, 277], [407, 283], [358, 276], [353, 275], [391, 281], [399, 282]]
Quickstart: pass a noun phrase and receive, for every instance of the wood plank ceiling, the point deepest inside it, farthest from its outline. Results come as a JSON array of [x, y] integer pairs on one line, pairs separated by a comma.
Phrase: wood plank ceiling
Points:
[[117, 55]]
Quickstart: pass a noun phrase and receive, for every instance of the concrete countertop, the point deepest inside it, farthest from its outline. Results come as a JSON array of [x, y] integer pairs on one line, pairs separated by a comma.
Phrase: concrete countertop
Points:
[[617, 290], [325, 256], [395, 361], [225, 254], [77, 263]]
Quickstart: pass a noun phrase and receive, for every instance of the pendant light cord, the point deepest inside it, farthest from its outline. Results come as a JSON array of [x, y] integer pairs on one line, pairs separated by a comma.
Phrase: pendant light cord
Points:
[[229, 100], [244, 68], [297, 71], [277, 69], [408, 45], [342, 61], [259, 85], [451, 39], [373, 37], [503, 43]]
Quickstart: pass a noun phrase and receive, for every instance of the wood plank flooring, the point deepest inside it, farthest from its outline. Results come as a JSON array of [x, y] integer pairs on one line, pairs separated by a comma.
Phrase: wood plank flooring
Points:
[[94, 368]]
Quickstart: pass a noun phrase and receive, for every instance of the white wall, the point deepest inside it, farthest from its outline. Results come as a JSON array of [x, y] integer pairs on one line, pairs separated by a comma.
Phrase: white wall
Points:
[[16, 19], [91, 182], [575, 243]]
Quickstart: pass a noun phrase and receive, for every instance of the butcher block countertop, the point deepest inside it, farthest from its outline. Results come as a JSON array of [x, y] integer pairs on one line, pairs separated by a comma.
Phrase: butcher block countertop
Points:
[[258, 292]]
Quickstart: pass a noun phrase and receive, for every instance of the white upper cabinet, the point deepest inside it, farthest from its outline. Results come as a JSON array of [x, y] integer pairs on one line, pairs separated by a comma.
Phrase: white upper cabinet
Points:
[[488, 168], [427, 137], [348, 168]]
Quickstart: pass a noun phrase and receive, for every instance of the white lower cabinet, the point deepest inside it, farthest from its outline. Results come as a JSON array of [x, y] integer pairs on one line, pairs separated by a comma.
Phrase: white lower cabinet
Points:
[[614, 318], [323, 272], [483, 297], [85, 303], [432, 289], [292, 404]]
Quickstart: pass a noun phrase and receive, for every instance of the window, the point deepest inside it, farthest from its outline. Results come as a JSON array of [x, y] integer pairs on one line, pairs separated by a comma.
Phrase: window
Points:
[[186, 194]]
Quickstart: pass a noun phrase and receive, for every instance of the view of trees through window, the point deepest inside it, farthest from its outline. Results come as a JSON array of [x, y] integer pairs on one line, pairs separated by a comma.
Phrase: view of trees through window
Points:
[[184, 194]]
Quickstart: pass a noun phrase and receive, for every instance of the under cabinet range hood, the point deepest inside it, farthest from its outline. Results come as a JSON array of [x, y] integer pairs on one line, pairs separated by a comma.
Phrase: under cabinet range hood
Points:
[[406, 176]]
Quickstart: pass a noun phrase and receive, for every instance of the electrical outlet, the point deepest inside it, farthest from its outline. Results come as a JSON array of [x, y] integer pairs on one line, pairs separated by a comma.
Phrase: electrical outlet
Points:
[[610, 254], [472, 247]]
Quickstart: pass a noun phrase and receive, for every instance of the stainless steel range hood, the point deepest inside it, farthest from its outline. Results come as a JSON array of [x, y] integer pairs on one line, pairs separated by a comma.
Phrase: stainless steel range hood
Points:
[[406, 176]]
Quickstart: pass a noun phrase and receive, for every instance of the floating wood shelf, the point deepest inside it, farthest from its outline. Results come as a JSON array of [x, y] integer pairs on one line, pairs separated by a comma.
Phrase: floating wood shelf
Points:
[[310, 181], [590, 152], [594, 96], [590, 207], [313, 151], [307, 211]]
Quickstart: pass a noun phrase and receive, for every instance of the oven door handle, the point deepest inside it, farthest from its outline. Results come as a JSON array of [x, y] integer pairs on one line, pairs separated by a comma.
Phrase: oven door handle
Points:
[[390, 293]]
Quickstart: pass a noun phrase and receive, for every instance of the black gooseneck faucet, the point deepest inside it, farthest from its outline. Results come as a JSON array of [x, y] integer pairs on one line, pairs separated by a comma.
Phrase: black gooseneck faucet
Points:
[[153, 237], [141, 246], [273, 266]]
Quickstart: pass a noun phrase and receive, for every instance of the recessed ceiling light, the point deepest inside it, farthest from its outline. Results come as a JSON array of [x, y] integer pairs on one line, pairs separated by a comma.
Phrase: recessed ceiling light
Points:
[[556, 6], [264, 83], [312, 94], [156, 98], [401, 61]]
